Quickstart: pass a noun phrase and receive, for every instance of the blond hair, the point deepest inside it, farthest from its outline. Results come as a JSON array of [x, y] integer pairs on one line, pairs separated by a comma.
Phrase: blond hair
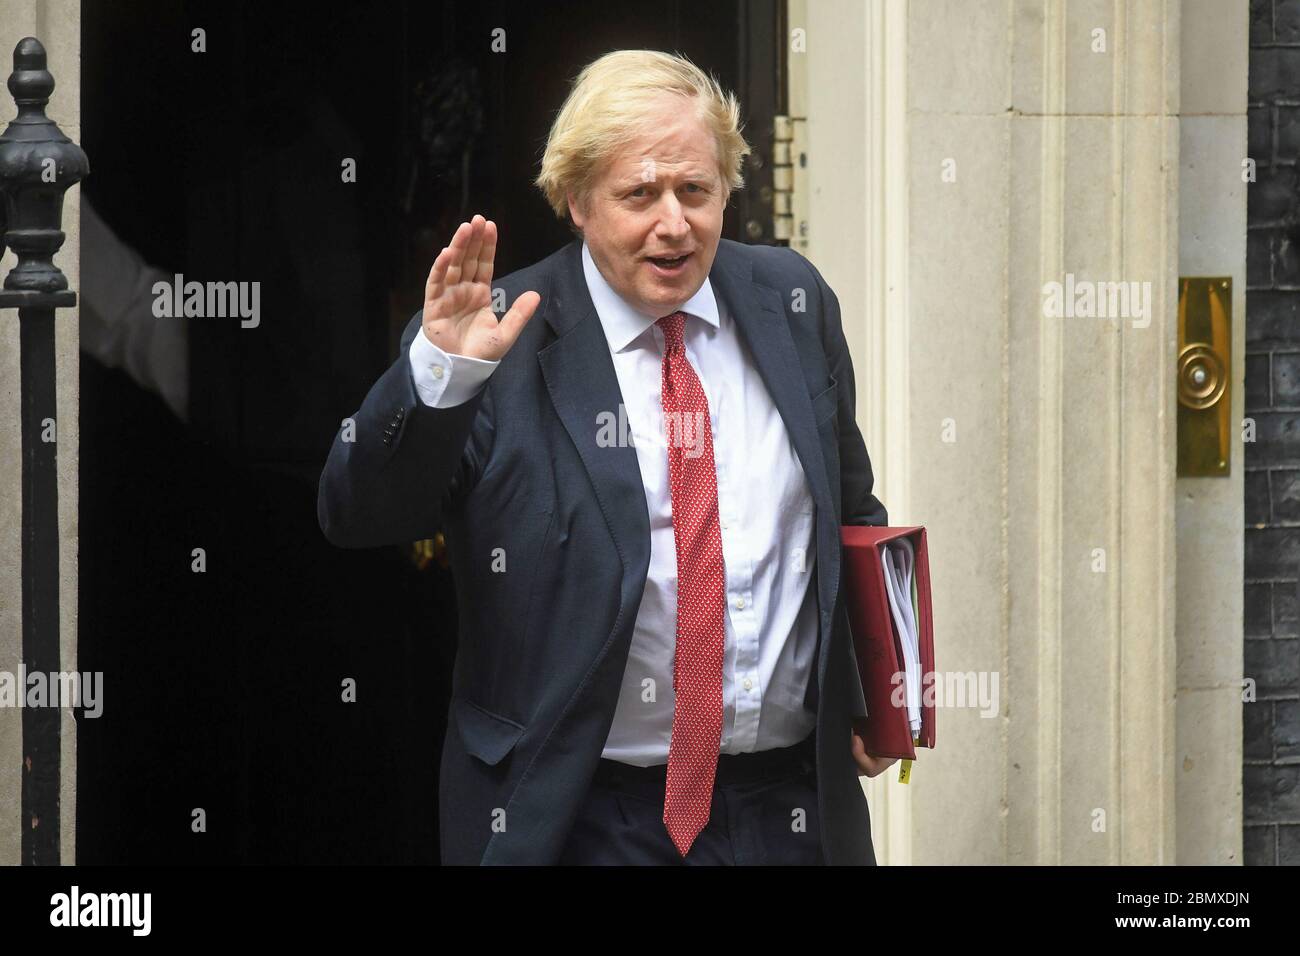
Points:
[[609, 104]]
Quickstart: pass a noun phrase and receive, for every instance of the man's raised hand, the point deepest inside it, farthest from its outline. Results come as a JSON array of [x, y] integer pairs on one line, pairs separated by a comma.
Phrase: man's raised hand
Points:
[[458, 316]]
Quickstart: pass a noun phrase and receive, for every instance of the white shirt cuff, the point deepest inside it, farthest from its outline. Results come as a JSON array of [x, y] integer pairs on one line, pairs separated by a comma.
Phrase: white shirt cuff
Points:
[[444, 380]]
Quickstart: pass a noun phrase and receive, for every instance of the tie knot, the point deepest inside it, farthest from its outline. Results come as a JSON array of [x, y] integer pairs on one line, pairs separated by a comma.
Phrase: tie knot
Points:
[[672, 328]]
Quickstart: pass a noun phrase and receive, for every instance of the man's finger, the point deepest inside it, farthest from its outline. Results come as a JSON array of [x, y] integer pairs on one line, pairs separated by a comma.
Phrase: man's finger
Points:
[[513, 322], [437, 273], [456, 253], [487, 258], [473, 250]]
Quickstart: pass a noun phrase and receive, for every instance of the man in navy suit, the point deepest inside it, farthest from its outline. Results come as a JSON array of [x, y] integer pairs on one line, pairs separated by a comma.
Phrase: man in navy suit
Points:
[[641, 468]]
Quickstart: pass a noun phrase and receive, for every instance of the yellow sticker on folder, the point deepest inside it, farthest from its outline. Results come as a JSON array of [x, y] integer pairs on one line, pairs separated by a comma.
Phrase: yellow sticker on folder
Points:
[[905, 766]]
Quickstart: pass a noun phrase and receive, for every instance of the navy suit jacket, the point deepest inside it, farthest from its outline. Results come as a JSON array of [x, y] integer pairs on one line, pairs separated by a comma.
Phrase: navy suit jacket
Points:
[[543, 645]]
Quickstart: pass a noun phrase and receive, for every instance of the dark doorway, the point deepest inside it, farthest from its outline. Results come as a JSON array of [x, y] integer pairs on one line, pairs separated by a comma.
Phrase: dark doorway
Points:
[[223, 689]]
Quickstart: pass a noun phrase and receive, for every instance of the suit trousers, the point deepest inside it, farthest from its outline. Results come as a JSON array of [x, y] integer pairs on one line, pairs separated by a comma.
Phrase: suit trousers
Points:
[[763, 812]]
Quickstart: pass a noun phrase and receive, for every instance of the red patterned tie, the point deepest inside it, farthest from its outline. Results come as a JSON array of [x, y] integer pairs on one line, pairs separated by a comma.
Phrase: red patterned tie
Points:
[[701, 594]]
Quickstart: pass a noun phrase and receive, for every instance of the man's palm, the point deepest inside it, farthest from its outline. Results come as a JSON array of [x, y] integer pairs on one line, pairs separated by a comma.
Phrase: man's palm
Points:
[[458, 317]]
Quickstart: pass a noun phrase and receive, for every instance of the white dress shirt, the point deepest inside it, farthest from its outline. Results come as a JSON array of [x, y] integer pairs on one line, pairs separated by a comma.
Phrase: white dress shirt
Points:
[[765, 512]]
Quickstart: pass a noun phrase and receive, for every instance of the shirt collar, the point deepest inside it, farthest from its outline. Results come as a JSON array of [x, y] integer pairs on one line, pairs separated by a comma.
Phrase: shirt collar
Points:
[[623, 324]]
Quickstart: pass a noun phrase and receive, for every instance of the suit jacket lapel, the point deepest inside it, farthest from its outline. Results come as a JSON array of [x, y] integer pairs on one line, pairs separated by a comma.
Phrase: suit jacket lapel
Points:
[[760, 316], [583, 386]]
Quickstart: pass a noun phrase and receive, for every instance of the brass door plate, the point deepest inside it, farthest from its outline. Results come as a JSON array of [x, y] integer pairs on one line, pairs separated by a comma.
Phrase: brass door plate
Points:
[[1204, 376]]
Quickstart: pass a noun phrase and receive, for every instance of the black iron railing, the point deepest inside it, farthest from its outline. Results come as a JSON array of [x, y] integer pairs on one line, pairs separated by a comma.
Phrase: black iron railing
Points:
[[37, 165]]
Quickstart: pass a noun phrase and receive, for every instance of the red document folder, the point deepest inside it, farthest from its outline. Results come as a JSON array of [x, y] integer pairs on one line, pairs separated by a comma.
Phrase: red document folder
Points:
[[876, 642]]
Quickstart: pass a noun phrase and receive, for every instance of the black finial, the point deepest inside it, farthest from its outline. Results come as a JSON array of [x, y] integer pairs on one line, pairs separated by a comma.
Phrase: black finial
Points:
[[30, 83], [37, 165]]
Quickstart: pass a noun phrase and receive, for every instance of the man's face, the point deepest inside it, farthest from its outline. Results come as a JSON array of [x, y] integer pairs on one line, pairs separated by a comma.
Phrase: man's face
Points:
[[662, 197]]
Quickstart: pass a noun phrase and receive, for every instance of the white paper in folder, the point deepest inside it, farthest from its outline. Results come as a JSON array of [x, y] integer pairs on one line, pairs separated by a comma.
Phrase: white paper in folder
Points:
[[898, 559]]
